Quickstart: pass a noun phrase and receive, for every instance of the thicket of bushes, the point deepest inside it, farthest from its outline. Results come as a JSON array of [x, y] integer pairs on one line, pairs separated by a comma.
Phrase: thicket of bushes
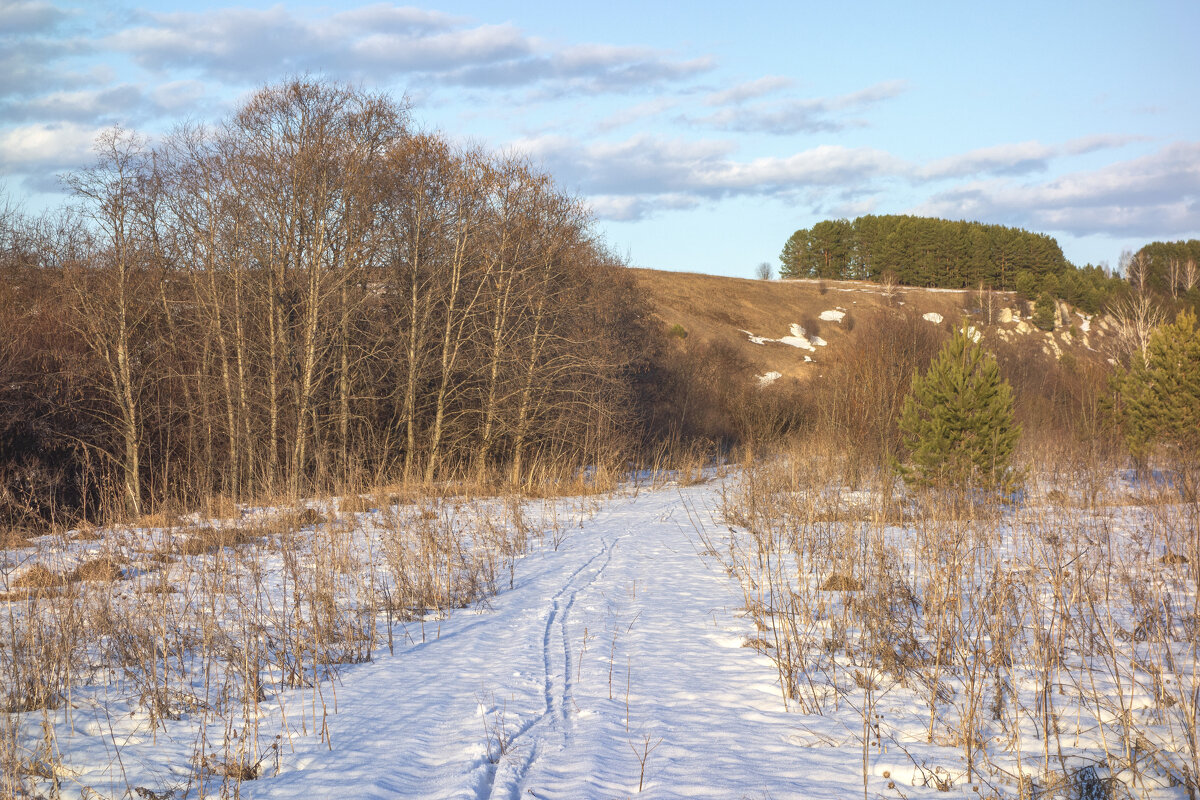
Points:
[[853, 405]]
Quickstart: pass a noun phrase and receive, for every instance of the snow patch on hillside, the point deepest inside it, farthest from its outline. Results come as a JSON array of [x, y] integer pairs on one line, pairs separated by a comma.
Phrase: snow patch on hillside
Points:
[[796, 338], [833, 315], [932, 316]]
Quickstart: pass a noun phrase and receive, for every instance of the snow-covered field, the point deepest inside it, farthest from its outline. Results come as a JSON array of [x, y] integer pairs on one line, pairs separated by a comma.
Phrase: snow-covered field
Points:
[[598, 647]]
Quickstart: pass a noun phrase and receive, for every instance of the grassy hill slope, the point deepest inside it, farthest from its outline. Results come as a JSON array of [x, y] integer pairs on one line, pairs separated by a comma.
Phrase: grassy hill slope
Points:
[[715, 309], [748, 360]]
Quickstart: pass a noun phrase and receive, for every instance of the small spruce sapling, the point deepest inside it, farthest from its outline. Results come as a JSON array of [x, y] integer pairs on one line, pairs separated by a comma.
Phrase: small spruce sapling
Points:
[[1158, 397], [957, 421]]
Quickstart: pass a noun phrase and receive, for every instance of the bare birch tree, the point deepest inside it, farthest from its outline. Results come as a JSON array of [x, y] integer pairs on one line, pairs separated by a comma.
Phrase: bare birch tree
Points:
[[107, 290]]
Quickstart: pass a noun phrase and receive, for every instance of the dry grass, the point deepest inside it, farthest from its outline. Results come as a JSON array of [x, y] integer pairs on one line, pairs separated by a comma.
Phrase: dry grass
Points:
[[355, 503], [86, 533], [202, 540], [219, 507], [11, 538], [717, 309], [310, 516], [103, 569], [159, 519], [37, 577], [202, 634], [1055, 646]]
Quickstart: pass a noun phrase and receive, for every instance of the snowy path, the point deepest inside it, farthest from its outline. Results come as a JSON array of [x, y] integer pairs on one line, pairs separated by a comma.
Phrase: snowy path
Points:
[[623, 639]]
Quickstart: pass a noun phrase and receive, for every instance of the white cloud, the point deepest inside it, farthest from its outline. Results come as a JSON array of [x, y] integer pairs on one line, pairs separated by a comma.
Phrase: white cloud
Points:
[[826, 165], [1017, 158], [383, 41], [52, 145], [1011, 159], [748, 90], [1101, 141], [812, 115], [395, 19], [1153, 195], [180, 96], [25, 17], [81, 105], [633, 178], [636, 113]]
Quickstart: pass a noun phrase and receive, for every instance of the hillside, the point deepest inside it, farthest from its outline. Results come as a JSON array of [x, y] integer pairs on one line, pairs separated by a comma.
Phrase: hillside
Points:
[[797, 327]]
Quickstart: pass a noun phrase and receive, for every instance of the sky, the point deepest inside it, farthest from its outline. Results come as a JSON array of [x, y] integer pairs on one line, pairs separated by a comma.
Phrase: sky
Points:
[[701, 135]]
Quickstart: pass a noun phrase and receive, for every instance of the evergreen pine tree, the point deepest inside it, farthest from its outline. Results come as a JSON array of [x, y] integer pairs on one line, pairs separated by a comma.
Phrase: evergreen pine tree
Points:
[[1159, 396], [1044, 311], [957, 422]]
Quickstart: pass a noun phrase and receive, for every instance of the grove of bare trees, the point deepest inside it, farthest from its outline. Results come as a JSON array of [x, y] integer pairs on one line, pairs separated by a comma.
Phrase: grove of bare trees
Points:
[[310, 293]]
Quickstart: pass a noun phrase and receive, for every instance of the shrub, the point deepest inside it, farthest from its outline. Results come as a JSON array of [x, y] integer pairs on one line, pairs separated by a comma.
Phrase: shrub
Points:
[[957, 422], [862, 392]]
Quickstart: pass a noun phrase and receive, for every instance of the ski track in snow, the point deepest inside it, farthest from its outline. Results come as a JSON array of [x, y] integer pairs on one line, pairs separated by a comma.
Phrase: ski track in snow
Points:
[[622, 635]]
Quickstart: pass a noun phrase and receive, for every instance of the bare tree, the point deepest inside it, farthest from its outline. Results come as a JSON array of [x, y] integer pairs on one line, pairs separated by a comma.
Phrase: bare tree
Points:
[[1174, 276], [307, 291], [1136, 269], [518, 193], [1136, 316], [106, 290], [306, 155], [763, 271]]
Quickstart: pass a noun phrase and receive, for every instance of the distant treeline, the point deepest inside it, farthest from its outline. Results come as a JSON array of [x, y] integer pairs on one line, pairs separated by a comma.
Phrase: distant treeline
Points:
[[309, 294], [931, 252]]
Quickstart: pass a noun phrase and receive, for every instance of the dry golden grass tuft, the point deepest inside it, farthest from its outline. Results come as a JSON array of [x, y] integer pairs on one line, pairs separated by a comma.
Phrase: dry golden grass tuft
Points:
[[86, 533], [219, 507], [837, 582], [200, 541], [11, 538], [356, 503], [161, 519], [38, 577], [310, 516], [758, 644], [105, 569]]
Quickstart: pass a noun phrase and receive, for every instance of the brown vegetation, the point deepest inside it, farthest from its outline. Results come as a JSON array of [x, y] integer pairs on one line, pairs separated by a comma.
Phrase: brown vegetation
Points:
[[307, 295], [1061, 620]]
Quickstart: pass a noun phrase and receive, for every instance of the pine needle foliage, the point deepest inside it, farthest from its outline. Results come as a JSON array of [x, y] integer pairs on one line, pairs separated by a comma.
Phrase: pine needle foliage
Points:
[[1044, 312], [957, 422], [1158, 396]]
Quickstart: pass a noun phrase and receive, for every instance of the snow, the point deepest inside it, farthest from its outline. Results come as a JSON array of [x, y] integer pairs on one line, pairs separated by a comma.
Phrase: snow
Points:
[[932, 316], [622, 639], [797, 337], [622, 643], [833, 315], [769, 378]]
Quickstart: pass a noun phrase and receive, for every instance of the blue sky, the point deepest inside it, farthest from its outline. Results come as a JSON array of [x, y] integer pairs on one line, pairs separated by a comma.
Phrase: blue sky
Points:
[[701, 136]]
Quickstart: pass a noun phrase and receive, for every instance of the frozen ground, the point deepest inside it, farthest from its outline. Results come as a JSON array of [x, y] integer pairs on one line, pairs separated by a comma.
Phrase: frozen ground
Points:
[[617, 664], [624, 642]]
